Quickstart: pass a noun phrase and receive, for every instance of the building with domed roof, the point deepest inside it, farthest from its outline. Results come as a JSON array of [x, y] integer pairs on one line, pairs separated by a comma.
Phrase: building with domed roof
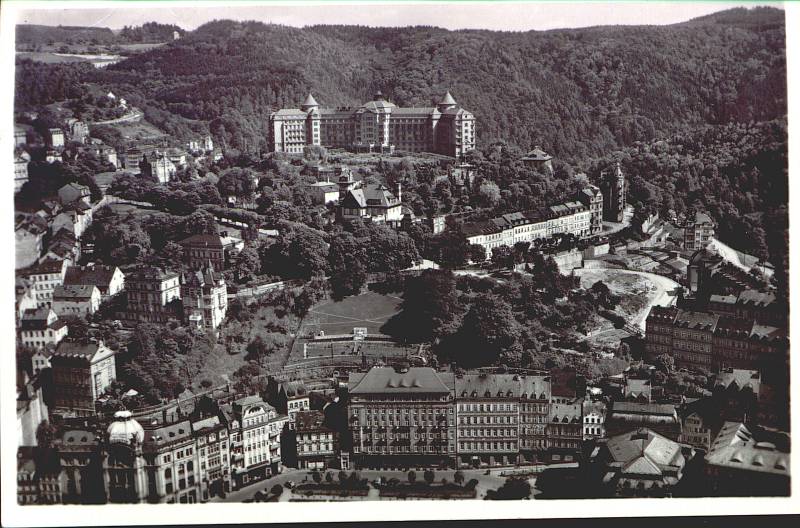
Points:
[[376, 126]]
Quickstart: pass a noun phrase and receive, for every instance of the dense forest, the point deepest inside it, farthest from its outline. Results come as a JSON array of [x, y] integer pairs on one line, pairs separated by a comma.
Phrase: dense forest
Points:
[[31, 35], [575, 92]]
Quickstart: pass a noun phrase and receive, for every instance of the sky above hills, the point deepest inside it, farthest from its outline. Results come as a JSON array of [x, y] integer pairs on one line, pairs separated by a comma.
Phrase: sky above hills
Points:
[[509, 16]]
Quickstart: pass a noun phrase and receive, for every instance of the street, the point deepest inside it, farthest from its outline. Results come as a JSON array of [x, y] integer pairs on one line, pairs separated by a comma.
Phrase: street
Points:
[[485, 482]]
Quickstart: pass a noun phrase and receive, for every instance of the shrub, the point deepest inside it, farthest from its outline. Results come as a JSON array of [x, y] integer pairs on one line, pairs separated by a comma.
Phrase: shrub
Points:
[[471, 484]]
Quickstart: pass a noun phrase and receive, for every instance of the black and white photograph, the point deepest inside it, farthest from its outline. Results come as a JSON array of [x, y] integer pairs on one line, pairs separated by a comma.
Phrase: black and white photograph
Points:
[[353, 254]]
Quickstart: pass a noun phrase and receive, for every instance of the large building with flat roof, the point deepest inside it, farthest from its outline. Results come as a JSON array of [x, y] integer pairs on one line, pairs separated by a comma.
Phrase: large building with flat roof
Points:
[[375, 126]]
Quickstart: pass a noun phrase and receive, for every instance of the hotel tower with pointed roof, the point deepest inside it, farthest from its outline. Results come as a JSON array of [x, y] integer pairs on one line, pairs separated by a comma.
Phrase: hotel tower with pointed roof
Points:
[[375, 126]]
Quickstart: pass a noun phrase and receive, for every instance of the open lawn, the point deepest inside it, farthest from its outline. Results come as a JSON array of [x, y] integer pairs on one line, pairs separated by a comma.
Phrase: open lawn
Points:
[[138, 212], [370, 310], [139, 130]]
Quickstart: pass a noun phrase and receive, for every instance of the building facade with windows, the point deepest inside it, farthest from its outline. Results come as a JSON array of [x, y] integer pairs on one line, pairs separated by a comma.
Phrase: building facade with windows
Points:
[[255, 428], [213, 456], [487, 419], [614, 189], [81, 373], [41, 328], [317, 444], [205, 299], [401, 418], [376, 126], [152, 295]]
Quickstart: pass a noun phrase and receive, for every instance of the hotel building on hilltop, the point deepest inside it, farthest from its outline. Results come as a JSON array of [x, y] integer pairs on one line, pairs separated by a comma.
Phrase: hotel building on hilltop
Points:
[[376, 126]]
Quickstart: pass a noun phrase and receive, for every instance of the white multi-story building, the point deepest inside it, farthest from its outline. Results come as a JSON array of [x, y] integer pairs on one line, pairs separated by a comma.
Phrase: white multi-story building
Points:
[[594, 417], [255, 428], [570, 218], [205, 298], [79, 300], [377, 125], [41, 328], [44, 278]]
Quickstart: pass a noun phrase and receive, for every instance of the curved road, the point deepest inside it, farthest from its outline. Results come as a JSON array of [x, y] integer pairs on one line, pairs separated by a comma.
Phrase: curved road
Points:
[[662, 297]]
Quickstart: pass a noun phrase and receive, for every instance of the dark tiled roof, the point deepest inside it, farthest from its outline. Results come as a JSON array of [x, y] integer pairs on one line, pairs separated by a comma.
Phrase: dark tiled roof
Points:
[[73, 292], [213, 241], [487, 386], [660, 409], [384, 380], [96, 275]]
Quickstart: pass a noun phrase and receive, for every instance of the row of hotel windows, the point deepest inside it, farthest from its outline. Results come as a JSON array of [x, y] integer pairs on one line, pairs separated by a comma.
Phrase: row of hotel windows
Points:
[[487, 407], [465, 420], [316, 447], [487, 432], [403, 449], [487, 446]]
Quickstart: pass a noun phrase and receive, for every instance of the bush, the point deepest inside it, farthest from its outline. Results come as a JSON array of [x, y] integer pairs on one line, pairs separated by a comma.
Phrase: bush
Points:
[[277, 490], [471, 484]]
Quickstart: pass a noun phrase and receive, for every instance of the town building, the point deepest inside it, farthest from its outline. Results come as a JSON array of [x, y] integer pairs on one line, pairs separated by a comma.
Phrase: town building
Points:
[[324, 192], [534, 415], [539, 160], [27, 484], [78, 130], [44, 278], [255, 429], [742, 462], [29, 230], [401, 418], [41, 328], [487, 419], [20, 173], [592, 198], [63, 245], [293, 397], [213, 450], [75, 217], [614, 189], [698, 232], [108, 279], [25, 299], [376, 126], [317, 444], [571, 218], [80, 466], [103, 152], [76, 301], [205, 298], [55, 138], [152, 295], [81, 373], [564, 432], [711, 342], [157, 166], [372, 201], [640, 463], [31, 408], [20, 136], [692, 337], [199, 250], [594, 417], [40, 360], [624, 417]]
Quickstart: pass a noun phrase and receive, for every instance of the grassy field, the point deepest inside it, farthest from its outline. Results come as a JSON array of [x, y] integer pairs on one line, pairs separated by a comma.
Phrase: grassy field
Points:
[[139, 131], [370, 310]]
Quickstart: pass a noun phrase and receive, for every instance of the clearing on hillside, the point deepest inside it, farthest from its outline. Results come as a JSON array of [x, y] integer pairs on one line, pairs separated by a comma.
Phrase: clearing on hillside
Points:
[[369, 310]]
